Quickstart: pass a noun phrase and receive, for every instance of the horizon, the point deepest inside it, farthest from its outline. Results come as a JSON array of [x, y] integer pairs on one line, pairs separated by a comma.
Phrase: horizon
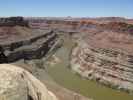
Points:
[[65, 8], [66, 17]]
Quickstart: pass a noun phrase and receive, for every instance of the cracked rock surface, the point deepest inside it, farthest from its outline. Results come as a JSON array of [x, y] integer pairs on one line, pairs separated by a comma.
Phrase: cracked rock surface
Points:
[[18, 84]]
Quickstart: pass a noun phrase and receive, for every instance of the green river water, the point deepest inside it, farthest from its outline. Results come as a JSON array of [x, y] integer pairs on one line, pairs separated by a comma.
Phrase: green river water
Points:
[[66, 78]]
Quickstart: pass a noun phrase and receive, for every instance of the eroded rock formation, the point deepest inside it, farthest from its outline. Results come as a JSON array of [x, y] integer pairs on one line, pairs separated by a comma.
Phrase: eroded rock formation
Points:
[[22, 42], [18, 84], [110, 67]]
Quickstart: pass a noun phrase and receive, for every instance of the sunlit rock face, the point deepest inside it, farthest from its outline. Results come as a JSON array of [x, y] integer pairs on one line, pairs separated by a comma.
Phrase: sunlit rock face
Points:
[[18, 84], [107, 62]]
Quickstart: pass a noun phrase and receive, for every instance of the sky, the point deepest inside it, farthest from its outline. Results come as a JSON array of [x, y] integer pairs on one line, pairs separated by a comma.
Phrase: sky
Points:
[[64, 8]]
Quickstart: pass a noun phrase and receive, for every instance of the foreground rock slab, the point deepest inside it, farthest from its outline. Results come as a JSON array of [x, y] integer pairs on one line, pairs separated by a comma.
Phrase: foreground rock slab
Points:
[[18, 84]]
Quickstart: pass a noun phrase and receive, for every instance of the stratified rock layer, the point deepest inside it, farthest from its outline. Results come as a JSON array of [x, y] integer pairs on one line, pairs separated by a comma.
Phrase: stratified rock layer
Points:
[[22, 42], [110, 67], [18, 84]]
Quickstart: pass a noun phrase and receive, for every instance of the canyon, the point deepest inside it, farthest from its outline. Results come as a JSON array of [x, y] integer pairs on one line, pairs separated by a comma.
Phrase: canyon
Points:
[[23, 46], [102, 49]]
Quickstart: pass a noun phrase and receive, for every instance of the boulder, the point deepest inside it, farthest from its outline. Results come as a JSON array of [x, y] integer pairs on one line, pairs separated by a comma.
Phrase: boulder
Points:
[[18, 84]]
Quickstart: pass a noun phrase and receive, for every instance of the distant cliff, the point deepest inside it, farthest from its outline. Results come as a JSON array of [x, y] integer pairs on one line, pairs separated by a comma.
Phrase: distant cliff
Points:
[[84, 25], [13, 21]]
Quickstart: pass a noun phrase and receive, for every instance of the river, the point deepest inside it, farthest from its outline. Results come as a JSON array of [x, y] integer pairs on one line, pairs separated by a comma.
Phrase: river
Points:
[[66, 78]]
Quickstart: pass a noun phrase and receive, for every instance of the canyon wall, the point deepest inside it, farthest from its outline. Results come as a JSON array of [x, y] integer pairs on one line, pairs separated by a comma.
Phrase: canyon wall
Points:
[[83, 25], [21, 42], [113, 68]]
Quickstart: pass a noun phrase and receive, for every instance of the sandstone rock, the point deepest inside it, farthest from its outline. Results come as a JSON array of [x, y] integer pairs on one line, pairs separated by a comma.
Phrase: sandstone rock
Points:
[[18, 84], [107, 66]]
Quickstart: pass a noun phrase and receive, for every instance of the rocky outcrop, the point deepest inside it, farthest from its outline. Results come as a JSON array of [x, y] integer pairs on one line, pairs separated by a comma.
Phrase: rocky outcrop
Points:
[[113, 68], [21, 42], [18, 84], [30, 48]]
